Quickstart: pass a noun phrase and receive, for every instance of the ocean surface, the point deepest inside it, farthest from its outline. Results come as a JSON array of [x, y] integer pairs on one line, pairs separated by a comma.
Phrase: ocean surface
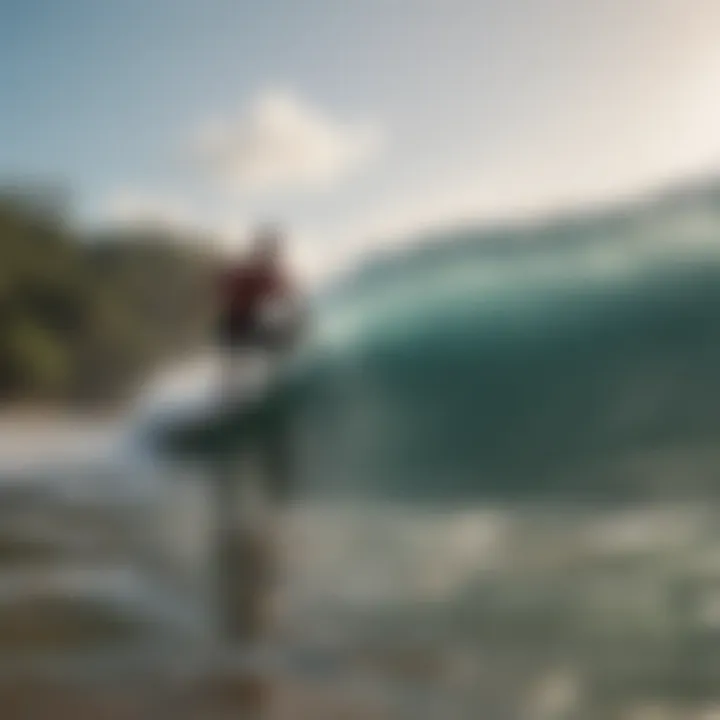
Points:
[[576, 360], [506, 454]]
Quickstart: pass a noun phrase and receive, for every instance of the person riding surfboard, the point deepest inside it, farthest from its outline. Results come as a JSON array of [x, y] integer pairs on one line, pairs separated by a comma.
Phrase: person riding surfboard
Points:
[[249, 286]]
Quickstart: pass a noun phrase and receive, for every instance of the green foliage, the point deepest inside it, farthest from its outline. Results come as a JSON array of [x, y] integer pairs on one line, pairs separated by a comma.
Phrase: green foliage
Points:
[[83, 319]]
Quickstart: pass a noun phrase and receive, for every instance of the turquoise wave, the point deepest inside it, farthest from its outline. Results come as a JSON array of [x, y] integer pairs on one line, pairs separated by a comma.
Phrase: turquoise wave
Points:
[[575, 358]]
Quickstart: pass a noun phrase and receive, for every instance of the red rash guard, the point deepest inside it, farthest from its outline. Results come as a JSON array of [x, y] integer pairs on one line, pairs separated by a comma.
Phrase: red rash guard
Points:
[[243, 289]]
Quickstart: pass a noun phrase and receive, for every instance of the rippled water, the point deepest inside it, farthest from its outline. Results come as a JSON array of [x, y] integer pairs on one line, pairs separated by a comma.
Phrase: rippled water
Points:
[[505, 506], [442, 608]]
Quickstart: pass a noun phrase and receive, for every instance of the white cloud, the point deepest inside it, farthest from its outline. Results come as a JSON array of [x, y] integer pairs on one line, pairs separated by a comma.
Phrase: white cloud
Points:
[[136, 209], [282, 143], [141, 210]]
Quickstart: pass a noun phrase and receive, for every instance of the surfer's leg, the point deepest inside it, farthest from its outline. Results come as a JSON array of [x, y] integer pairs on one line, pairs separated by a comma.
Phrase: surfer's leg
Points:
[[226, 360], [228, 373], [237, 341]]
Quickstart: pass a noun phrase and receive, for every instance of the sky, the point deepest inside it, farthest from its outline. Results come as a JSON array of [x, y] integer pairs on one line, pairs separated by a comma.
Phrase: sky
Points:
[[354, 123]]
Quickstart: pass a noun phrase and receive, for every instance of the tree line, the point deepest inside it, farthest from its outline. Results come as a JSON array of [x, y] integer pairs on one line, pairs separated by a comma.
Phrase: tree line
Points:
[[85, 316]]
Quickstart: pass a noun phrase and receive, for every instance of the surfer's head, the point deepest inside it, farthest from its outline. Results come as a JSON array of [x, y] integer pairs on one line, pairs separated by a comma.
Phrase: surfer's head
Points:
[[267, 243]]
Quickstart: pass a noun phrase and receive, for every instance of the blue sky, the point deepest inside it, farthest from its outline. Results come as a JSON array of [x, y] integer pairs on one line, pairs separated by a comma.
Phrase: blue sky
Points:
[[356, 122]]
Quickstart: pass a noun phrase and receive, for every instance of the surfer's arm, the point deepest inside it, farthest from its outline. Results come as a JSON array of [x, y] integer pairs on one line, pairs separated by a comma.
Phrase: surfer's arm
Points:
[[292, 300]]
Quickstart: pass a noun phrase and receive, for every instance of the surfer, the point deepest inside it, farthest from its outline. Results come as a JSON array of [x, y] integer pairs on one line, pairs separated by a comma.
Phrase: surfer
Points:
[[259, 308], [259, 312]]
